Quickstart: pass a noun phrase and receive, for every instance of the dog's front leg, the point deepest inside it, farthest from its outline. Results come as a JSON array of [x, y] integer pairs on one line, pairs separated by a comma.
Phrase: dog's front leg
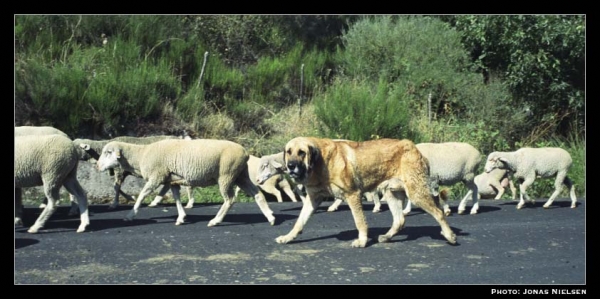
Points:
[[355, 204], [309, 205]]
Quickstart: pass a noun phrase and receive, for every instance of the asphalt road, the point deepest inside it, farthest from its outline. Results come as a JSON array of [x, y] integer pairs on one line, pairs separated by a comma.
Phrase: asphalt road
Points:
[[498, 246]]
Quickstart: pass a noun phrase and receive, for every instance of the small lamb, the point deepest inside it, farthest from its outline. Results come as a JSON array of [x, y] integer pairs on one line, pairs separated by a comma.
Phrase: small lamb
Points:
[[175, 162], [493, 184], [528, 163], [50, 161]]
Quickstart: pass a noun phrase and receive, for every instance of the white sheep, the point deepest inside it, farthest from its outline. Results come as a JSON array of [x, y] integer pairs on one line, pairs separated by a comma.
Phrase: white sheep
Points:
[[528, 163], [272, 165], [38, 130], [50, 161], [199, 162], [493, 184], [46, 130], [450, 163], [92, 148]]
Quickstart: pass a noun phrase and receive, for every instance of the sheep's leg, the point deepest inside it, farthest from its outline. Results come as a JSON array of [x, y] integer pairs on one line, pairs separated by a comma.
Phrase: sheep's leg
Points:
[[408, 208], [374, 197], [52, 194], [148, 187], [561, 178], [395, 202], [160, 196], [244, 182], [571, 188], [271, 189], [74, 210], [500, 187], [180, 211], [334, 206], [190, 202], [18, 207], [309, 205], [523, 188], [512, 189], [285, 186], [228, 194], [463, 203], [76, 191]]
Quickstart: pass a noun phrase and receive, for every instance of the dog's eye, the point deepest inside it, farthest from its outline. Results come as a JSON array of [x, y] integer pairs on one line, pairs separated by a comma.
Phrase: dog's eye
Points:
[[301, 153], [289, 151]]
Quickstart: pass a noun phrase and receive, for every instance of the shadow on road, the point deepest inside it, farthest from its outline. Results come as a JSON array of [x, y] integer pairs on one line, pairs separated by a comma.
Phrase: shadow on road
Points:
[[60, 226], [539, 203], [411, 233], [24, 242]]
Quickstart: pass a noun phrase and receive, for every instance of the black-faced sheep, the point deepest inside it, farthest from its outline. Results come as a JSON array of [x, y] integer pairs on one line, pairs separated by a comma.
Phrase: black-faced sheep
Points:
[[198, 162], [528, 163], [493, 184], [49, 161]]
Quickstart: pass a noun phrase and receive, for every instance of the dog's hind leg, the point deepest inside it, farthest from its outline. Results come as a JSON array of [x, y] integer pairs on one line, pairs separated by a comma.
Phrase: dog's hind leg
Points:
[[309, 205]]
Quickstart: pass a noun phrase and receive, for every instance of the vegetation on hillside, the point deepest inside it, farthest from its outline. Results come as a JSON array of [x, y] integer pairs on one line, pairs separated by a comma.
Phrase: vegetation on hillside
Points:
[[497, 82]]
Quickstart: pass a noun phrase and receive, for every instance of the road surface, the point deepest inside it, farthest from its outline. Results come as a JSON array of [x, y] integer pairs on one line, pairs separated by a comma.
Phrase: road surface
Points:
[[500, 245]]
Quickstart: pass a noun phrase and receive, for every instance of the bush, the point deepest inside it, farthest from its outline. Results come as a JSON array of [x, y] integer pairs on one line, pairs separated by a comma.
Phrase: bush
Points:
[[359, 111]]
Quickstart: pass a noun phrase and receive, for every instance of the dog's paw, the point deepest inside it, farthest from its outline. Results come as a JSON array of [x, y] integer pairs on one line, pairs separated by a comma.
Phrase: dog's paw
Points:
[[359, 243], [383, 239], [283, 239]]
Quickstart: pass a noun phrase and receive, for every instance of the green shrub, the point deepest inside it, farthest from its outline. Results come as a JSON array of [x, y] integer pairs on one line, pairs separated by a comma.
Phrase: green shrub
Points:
[[359, 111]]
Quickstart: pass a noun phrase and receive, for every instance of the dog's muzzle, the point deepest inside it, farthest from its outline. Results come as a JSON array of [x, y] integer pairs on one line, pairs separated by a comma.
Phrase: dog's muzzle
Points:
[[296, 170]]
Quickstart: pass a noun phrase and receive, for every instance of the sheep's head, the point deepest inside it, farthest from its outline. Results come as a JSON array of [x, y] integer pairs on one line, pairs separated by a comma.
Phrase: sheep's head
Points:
[[268, 168], [494, 161], [110, 157]]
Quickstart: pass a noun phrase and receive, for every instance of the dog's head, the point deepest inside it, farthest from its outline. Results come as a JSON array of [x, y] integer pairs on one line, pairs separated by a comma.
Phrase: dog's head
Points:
[[300, 156]]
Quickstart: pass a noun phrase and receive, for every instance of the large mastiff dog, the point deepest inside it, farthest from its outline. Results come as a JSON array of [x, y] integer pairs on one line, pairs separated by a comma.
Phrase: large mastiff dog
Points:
[[346, 169]]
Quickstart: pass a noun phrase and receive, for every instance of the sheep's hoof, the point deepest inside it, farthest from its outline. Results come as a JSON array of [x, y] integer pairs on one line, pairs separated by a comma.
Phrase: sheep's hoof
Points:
[[473, 212], [376, 210], [358, 243], [33, 230], [178, 222], [546, 206], [152, 205], [212, 223], [189, 206], [272, 222], [18, 222], [81, 230], [519, 207], [331, 210], [383, 239]]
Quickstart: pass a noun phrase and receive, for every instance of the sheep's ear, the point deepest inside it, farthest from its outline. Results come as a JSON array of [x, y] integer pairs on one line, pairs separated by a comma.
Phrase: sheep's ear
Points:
[[85, 147], [276, 164], [503, 160]]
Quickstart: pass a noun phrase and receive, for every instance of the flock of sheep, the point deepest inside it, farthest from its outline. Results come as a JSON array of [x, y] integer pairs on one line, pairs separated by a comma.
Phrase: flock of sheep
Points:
[[45, 156]]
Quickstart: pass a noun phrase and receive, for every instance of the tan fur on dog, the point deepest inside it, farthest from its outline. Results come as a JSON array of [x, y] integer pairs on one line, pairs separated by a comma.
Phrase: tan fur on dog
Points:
[[345, 169]]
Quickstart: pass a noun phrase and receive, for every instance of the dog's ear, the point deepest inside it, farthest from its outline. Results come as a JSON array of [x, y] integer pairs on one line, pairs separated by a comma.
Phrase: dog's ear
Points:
[[314, 155]]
